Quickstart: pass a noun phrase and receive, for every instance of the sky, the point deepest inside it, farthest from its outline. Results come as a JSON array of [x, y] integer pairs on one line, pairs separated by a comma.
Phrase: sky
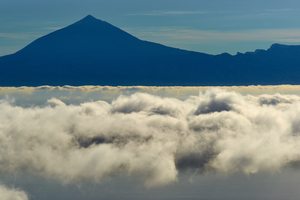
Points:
[[212, 26]]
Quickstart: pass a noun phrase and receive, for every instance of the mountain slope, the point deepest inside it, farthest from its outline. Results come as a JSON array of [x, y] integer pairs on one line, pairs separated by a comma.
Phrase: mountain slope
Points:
[[92, 51]]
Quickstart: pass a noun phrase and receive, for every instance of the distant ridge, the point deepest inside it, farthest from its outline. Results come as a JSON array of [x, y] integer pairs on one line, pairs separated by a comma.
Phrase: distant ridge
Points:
[[94, 52]]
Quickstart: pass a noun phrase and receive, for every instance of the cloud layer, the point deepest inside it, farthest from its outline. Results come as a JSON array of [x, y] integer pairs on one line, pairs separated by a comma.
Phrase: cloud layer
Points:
[[12, 194], [150, 137]]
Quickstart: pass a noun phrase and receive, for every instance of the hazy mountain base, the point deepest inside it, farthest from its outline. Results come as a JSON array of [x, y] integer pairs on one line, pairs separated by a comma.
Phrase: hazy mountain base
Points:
[[73, 94]]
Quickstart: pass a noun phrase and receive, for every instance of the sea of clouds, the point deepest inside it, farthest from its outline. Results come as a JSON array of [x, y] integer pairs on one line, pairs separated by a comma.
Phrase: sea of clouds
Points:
[[149, 137]]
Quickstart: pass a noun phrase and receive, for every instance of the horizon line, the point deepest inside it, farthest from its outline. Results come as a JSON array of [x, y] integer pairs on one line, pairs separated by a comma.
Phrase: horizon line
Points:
[[90, 16]]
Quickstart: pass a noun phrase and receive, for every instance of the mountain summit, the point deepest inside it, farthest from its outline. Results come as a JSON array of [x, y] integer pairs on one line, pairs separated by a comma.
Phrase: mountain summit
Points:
[[92, 51], [85, 36]]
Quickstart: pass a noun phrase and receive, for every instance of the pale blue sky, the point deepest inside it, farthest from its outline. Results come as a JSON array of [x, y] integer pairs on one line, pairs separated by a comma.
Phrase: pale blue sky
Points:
[[212, 26]]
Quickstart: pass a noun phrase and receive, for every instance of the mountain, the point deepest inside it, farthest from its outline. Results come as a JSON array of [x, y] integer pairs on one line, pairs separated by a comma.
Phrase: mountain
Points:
[[94, 52]]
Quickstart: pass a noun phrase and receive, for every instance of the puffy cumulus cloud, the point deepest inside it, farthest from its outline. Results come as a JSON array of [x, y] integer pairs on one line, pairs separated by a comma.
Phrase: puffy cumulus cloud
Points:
[[151, 137], [12, 194]]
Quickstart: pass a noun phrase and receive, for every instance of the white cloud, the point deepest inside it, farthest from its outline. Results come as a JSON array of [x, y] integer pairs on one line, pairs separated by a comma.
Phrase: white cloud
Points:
[[236, 13], [17, 36], [12, 194], [151, 137], [170, 13], [180, 35]]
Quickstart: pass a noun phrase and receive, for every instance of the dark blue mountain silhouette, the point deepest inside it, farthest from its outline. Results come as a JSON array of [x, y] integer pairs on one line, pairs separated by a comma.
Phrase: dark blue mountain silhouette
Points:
[[95, 52]]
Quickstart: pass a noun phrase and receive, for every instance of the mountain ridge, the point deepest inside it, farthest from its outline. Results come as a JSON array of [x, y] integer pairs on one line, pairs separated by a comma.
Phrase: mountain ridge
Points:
[[92, 51]]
